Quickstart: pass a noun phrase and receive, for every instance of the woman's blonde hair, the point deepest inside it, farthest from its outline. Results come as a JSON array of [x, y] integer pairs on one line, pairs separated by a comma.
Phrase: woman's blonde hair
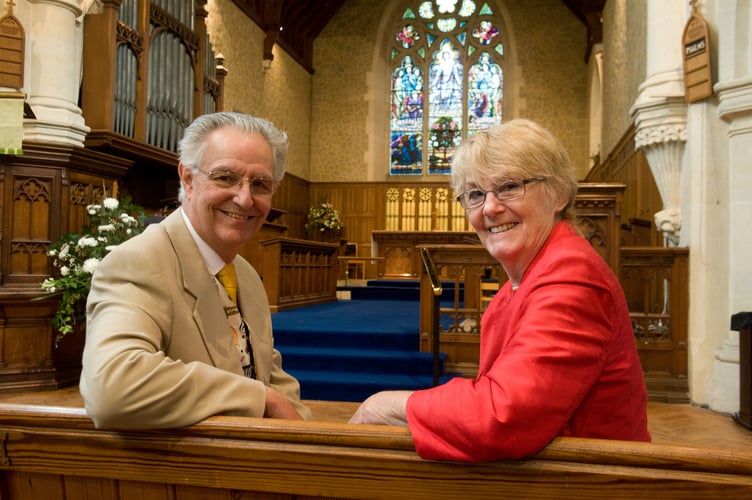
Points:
[[514, 150]]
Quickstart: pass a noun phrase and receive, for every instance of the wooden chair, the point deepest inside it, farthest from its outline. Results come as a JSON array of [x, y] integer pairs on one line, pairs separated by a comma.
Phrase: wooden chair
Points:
[[355, 268]]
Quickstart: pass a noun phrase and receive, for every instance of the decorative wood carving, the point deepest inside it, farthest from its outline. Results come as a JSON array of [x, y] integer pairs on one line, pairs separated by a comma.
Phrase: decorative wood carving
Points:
[[12, 50]]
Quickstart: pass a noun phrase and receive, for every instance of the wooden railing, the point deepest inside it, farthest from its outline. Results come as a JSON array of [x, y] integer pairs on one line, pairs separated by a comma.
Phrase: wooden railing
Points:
[[655, 282], [55, 452], [464, 267], [299, 273]]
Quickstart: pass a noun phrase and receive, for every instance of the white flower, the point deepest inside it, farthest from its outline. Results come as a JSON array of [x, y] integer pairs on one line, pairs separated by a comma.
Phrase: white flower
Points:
[[106, 227], [128, 220], [49, 285], [87, 241], [93, 209], [64, 270], [90, 265], [64, 250], [110, 203]]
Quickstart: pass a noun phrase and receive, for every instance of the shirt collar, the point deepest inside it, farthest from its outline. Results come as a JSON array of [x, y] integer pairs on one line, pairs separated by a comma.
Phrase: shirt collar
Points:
[[211, 258]]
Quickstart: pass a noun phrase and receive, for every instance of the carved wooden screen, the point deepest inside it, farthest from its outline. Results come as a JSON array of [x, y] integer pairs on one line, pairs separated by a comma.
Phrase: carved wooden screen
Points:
[[423, 208]]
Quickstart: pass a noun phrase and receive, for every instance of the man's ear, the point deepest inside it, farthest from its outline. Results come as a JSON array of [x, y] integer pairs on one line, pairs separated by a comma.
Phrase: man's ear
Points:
[[186, 176]]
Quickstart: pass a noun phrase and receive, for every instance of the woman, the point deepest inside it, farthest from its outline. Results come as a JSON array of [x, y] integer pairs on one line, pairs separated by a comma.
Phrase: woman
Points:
[[557, 352]]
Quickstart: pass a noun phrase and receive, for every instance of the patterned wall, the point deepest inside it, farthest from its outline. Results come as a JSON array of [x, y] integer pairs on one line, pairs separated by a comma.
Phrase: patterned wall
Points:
[[281, 93], [624, 35]]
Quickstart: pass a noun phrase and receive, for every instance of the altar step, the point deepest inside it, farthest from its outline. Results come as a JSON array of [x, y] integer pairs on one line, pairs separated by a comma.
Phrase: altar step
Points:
[[395, 290], [348, 350]]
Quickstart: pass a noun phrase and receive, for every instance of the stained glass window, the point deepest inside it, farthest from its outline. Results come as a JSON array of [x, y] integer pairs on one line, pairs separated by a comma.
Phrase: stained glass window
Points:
[[446, 81]]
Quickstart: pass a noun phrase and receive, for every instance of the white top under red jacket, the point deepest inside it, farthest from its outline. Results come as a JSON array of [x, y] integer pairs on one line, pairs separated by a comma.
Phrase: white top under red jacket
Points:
[[557, 358]]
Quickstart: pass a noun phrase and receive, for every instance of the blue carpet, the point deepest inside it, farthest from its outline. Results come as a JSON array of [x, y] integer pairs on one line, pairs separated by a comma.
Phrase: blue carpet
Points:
[[350, 349]]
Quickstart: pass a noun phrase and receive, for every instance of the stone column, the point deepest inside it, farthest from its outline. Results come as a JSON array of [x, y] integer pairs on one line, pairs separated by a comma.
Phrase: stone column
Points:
[[53, 73], [660, 112], [734, 91]]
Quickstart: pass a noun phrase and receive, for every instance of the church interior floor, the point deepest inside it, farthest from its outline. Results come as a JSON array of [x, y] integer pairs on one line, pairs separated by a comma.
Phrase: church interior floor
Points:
[[677, 424]]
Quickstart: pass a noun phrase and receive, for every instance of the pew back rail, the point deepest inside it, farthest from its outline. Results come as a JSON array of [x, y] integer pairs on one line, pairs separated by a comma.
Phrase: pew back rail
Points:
[[55, 452]]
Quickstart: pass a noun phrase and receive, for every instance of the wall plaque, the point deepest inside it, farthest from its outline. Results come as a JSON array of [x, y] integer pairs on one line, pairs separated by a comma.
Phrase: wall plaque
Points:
[[11, 50], [698, 82]]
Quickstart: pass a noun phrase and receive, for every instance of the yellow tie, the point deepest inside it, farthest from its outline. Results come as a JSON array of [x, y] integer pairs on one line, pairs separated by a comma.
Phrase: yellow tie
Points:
[[226, 276]]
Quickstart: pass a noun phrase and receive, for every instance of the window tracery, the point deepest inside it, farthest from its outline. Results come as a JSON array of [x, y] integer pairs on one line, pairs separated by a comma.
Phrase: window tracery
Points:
[[447, 76]]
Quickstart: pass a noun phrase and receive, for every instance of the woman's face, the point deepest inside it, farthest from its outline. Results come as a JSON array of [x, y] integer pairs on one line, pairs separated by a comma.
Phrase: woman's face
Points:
[[513, 231]]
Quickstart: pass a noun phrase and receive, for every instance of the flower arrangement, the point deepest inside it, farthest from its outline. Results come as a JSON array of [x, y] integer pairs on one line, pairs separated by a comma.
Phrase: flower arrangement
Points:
[[323, 217], [76, 256]]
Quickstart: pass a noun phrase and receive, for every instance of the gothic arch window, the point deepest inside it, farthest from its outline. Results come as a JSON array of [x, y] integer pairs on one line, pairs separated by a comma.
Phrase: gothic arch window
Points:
[[447, 76]]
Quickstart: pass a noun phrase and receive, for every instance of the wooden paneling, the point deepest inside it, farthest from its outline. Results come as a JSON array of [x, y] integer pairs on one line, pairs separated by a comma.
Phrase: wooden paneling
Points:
[[299, 273], [44, 194], [641, 199], [656, 284], [399, 249]]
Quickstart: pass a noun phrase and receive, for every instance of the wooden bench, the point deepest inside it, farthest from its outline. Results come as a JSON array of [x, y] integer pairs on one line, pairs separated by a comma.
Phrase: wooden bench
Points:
[[54, 452]]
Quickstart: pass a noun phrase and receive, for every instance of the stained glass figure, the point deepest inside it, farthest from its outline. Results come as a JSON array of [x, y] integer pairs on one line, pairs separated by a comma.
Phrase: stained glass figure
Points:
[[486, 32], [406, 121], [408, 36], [407, 92], [485, 85], [445, 87], [406, 153]]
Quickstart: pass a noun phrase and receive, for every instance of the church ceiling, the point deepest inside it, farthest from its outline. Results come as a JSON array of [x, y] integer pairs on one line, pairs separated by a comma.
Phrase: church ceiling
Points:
[[301, 21]]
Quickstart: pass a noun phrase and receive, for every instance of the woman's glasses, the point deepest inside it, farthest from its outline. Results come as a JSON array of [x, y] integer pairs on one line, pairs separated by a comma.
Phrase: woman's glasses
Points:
[[509, 190]]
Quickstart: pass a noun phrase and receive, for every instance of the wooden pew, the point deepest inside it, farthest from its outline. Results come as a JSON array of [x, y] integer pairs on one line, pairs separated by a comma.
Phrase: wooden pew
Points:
[[53, 452]]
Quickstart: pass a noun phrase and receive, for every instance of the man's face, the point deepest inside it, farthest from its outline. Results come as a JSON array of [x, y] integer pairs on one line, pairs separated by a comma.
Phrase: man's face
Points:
[[228, 217]]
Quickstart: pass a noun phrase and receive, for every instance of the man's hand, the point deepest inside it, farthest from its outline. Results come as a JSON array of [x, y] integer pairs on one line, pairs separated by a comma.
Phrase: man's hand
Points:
[[385, 408], [278, 406]]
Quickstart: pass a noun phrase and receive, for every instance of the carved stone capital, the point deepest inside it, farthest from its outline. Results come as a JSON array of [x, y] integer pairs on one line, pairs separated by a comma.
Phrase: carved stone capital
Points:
[[659, 134]]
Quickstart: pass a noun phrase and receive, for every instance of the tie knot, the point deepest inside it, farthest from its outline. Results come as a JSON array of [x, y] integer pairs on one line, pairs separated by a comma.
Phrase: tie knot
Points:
[[226, 276]]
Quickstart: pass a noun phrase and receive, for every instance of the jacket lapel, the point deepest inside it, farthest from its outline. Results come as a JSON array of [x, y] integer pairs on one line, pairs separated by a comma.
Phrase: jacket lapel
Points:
[[198, 283]]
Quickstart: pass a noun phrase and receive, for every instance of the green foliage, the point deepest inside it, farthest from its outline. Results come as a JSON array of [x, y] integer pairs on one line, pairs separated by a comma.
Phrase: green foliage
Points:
[[76, 256]]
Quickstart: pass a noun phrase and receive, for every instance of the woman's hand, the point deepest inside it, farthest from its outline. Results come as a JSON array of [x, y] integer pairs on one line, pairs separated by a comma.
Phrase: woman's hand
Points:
[[384, 408]]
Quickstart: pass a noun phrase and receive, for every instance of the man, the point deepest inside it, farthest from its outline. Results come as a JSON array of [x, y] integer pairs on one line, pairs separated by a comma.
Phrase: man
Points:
[[167, 345]]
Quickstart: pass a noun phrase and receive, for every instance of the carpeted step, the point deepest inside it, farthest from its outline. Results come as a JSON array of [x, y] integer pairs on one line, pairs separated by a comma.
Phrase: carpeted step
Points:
[[384, 293], [365, 361], [318, 337], [348, 350], [356, 387]]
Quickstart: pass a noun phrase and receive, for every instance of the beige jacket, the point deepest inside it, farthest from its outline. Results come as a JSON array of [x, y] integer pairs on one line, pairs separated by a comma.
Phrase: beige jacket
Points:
[[158, 351]]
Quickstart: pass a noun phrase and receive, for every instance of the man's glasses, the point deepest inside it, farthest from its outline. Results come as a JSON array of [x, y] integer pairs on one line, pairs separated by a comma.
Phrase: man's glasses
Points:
[[509, 190], [227, 179]]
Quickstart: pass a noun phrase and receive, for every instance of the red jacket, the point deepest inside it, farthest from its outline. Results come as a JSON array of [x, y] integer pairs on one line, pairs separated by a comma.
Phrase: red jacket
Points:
[[557, 358]]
